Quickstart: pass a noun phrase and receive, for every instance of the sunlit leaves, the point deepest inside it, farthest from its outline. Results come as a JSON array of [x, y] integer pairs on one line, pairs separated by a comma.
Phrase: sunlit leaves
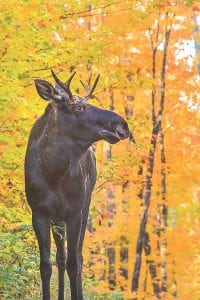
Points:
[[112, 38]]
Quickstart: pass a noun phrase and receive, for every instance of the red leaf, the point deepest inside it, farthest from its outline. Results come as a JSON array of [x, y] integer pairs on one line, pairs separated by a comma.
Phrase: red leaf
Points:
[[196, 8], [41, 24]]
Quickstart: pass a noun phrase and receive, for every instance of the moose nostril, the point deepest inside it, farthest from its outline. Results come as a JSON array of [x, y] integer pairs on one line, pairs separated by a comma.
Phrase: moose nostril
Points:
[[121, 132]]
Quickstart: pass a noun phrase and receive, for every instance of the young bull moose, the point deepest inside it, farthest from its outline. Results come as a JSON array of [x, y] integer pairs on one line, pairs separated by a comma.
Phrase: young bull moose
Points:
[[60, 174]]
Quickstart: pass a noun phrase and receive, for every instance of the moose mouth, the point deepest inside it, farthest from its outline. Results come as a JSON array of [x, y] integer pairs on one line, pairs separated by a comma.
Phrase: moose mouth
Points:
[[114, 137]]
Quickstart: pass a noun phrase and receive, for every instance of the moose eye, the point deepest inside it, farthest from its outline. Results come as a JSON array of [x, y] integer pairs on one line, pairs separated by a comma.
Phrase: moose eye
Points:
[[79, 107]]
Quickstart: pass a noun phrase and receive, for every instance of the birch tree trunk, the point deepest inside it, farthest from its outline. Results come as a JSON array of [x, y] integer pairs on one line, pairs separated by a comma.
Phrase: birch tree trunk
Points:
[[157, 125]]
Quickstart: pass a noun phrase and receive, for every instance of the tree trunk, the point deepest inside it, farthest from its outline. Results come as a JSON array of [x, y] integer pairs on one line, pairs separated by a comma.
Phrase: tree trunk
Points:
[[163, 217], [157, 124], [152, 267], [144, 217], [196, 41]]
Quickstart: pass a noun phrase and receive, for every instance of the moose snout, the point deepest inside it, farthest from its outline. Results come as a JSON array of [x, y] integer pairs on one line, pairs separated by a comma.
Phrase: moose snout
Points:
[[122, 132]]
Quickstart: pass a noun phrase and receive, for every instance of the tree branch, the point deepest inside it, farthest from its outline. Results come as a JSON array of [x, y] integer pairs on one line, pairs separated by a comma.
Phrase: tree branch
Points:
[[89, 10]]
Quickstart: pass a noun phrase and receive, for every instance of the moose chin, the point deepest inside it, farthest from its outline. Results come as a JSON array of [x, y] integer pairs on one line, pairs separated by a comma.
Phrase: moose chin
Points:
[[60, 174]]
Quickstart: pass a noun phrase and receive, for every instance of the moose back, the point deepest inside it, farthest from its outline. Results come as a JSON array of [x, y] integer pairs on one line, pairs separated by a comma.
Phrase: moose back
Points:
[[60, 174]]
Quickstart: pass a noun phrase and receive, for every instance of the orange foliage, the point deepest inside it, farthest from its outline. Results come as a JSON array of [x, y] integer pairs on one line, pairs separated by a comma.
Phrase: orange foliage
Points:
[[116, 39]]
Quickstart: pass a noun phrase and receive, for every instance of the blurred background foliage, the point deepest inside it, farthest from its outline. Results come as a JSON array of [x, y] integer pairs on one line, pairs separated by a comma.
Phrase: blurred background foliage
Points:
[[118, 40]]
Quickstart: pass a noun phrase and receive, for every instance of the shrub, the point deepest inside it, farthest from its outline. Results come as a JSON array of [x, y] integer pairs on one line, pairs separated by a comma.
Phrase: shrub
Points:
[[19, 263]]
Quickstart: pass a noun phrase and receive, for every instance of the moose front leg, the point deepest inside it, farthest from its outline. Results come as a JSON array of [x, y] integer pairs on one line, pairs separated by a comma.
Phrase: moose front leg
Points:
[[59, 234], [42, 229], [74, 255]]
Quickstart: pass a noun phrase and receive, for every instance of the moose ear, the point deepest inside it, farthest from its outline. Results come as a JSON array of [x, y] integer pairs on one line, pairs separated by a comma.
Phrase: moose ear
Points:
[[46, 90]]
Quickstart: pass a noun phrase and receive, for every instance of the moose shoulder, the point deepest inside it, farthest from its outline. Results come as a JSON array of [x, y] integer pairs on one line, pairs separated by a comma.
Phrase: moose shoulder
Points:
[[60, 174]]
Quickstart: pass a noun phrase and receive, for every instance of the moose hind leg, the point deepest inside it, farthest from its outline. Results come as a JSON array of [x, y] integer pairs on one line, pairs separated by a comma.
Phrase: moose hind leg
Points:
[[74, 256], [59, 234], [41, 226]]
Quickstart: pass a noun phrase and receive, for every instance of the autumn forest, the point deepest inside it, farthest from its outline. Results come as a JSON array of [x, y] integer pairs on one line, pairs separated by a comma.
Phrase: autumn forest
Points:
[[142, 240]]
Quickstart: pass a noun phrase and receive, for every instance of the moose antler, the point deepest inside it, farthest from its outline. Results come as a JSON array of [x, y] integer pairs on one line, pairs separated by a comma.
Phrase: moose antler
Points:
[[88, 89], [66, 85]]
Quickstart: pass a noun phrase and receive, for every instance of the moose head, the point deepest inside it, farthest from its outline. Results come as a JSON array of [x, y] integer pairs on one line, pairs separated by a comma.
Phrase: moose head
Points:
[[82, 121]]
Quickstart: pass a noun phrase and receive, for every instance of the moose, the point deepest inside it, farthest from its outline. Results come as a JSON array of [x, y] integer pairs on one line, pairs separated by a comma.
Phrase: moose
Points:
[[60, 174]]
